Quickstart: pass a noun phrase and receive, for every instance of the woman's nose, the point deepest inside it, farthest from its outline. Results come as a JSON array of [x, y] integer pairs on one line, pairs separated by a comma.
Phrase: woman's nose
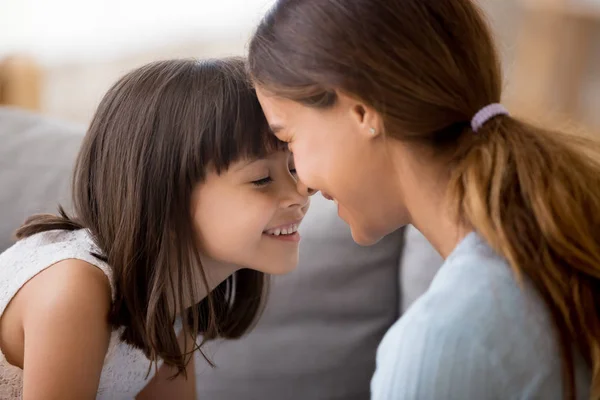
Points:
[[305, 190]]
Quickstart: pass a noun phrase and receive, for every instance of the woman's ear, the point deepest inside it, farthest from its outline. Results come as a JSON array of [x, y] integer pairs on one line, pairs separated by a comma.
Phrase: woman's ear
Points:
[[368, 120]]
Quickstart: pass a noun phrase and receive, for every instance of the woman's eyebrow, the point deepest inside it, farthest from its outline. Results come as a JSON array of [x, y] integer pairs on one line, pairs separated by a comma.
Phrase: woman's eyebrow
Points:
[[275, 128]]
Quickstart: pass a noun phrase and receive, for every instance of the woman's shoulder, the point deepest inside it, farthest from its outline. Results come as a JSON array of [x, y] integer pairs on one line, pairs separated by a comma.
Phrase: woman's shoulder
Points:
[[476, 317], [476, 295], [476, 283], [473, 297]]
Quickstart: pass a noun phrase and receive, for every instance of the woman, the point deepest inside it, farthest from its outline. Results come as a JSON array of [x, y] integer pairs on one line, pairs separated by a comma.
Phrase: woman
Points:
[[391, 108]]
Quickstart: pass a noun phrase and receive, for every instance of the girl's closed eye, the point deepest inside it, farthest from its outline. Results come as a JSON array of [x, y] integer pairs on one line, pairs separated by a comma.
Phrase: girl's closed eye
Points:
[[263, 181]]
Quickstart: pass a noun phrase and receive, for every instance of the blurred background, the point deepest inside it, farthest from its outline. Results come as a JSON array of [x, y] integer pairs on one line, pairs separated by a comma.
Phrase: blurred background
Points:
[[58, 57], [62, 55]]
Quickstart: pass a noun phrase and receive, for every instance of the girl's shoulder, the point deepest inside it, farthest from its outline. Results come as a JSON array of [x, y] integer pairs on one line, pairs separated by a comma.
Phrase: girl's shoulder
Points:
[[63, 313], [30, 256]]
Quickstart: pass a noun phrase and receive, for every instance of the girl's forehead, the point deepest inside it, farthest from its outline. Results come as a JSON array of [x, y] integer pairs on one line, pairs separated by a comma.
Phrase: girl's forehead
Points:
[[272, 155]]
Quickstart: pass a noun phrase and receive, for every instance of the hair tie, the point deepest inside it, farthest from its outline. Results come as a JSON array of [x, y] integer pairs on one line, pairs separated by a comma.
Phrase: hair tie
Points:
[[486, 113]]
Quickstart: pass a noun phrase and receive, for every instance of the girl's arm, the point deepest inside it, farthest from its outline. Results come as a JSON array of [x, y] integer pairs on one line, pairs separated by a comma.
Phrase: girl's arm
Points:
[[63, 312], [163, 388]]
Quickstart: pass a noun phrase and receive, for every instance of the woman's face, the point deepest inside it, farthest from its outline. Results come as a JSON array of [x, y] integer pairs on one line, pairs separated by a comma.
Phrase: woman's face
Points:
[[336, 152]]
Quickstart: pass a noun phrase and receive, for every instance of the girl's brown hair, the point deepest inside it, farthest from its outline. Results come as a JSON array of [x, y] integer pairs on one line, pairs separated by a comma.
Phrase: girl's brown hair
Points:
[[151, 141], [428, 66]]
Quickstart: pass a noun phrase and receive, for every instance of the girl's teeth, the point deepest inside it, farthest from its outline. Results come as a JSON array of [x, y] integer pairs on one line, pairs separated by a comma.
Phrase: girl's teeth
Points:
[[283, 231]]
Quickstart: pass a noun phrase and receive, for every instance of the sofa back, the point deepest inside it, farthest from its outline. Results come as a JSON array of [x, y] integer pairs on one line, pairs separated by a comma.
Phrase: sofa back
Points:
[[36, 159]]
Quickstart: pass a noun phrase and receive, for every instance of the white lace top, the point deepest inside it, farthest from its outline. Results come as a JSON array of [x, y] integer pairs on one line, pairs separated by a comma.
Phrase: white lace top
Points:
[[125, 368]]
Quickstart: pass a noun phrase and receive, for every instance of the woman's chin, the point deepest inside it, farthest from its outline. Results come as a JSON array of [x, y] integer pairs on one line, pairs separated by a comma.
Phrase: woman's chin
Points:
[[362, 238]]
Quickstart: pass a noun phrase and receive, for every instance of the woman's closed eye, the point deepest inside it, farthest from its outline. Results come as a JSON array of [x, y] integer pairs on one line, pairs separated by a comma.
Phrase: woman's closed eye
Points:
[[292, 164]]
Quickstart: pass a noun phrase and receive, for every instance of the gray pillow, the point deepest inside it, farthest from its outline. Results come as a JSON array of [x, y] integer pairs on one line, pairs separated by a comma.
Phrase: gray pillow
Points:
[[318, 336], [36, 160], [418, 265]]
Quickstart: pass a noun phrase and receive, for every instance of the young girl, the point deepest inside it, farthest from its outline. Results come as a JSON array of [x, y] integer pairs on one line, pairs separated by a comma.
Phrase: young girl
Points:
[[392, 108], [182, 202]]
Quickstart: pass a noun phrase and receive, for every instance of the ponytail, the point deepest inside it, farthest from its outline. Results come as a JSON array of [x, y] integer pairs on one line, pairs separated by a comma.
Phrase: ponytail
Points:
[[534, 196]]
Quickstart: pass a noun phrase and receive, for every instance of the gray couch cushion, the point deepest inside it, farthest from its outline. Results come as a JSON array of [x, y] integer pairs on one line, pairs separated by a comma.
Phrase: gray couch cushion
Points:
[[418, 265], [36, 159], [319, 334]]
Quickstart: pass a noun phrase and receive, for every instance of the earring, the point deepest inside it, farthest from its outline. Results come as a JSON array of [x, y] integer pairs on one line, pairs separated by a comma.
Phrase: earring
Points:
[[372, 131]]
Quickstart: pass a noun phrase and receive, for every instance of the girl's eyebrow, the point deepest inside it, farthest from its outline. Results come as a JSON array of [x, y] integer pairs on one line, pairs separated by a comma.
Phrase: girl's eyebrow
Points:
[[251, 161], [246, 163]]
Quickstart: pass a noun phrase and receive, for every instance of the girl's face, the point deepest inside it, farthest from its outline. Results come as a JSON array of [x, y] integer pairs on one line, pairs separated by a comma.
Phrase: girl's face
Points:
[[249, 214], [336, 152]]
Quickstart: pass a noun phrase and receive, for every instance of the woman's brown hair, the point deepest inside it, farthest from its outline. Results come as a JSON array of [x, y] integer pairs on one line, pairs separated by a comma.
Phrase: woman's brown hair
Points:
[[428, 66], [151, 141]]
